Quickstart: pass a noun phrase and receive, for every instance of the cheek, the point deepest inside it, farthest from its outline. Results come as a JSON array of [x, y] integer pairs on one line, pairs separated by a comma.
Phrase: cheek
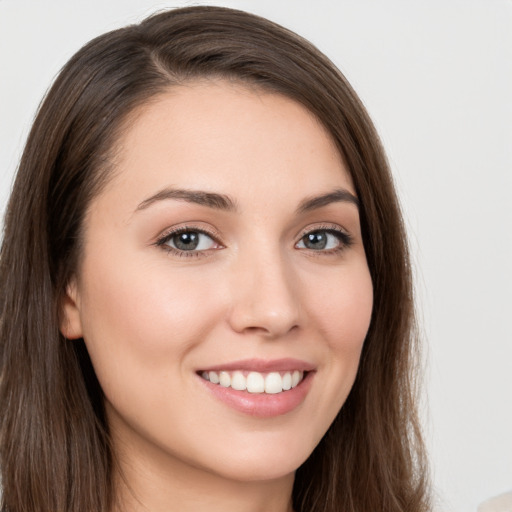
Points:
[[140, 320], [342, 308], [342, 314]]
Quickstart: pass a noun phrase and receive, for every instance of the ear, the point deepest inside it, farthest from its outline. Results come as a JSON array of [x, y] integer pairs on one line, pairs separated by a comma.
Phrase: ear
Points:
[[70, 321]]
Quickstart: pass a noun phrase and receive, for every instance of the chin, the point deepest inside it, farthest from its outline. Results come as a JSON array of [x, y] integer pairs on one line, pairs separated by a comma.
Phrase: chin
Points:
[[259, 470], [262, 461]]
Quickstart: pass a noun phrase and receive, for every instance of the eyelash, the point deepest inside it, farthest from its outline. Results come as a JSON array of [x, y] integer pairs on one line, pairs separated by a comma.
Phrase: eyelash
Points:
[[168, 235], [344, 238]]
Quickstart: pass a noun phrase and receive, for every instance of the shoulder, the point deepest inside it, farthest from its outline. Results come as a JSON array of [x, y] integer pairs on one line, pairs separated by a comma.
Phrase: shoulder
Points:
[[501, 503]]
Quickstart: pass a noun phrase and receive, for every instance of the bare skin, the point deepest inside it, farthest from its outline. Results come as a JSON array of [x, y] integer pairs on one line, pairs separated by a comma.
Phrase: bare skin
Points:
[[229, 232]]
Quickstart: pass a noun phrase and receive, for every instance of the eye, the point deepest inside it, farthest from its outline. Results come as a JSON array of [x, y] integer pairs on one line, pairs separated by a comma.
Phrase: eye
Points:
[[328, 240], [188, 240]]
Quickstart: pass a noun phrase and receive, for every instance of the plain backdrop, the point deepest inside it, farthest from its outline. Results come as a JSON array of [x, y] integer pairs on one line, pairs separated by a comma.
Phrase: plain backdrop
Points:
[[436, 77]]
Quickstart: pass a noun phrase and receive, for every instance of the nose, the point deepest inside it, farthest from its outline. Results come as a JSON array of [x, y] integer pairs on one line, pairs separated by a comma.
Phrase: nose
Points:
[[265, 298]]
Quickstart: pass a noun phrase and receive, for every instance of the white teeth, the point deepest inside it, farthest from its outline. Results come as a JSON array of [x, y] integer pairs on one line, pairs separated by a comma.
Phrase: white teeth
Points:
[[225, 379], [273, 383], [238, 381], [255, 382], [287, 381]]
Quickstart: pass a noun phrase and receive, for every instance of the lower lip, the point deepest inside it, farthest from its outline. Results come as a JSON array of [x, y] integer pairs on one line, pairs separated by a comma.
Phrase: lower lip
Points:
[[262, 405]]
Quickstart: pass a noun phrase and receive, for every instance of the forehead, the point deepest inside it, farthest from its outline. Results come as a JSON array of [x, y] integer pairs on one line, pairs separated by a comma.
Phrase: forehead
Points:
[[218, 135]]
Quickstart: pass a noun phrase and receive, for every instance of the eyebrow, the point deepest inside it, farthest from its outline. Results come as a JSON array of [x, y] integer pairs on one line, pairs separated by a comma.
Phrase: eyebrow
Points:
[[226, 203], [339, 195], [209, 199]]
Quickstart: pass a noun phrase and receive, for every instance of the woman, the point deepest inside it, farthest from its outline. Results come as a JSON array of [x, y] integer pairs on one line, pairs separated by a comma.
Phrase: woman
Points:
[[206, 296]]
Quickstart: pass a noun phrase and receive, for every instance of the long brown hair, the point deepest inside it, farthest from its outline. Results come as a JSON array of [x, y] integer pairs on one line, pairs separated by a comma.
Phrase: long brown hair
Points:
[[55, 452]]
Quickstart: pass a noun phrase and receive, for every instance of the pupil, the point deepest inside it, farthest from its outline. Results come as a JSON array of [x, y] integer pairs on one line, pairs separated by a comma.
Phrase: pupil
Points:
[[186, 241], [316, 240]]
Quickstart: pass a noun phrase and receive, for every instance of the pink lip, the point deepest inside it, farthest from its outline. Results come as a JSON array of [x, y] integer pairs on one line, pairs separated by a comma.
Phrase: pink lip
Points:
[[262, 405], [262, 366]]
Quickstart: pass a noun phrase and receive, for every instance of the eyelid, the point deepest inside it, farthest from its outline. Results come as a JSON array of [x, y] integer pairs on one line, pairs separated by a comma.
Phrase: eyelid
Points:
[[345, 238], [181, 228], [164, 236], [324, 226]]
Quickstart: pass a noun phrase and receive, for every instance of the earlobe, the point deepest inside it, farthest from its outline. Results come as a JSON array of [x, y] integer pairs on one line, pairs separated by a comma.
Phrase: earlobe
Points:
[[70, 320]]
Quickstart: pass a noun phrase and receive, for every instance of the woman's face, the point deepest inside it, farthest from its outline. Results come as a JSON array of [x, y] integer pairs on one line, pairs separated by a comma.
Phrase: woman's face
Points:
[[227, 246]]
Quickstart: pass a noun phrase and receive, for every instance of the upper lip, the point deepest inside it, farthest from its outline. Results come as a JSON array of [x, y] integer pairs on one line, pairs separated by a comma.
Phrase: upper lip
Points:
[[263, 365]]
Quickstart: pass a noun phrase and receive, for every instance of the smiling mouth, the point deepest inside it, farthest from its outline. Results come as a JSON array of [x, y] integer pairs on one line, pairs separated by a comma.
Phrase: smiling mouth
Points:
[[255, 382]]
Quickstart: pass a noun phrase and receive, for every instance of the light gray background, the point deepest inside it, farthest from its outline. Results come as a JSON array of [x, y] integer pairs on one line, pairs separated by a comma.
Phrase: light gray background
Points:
[[436, 76]]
